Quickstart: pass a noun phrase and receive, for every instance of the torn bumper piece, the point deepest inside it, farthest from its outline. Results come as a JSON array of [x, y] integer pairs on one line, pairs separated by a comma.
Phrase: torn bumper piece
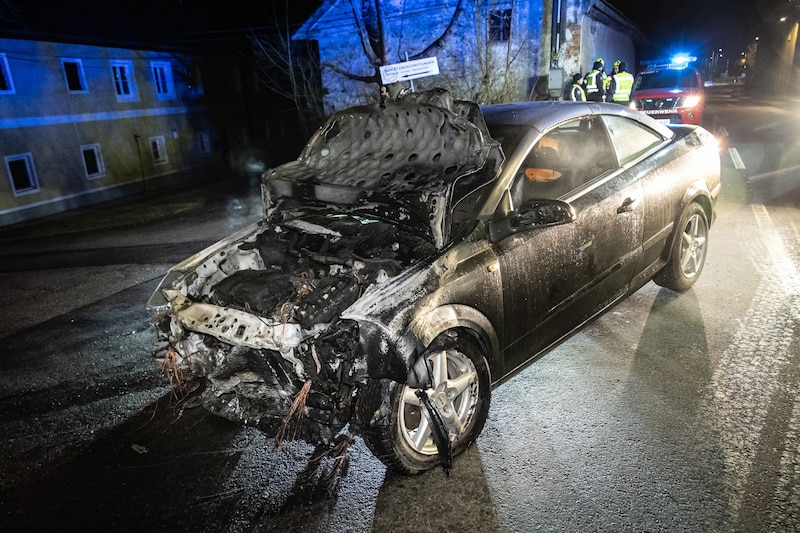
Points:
[[240, 328]]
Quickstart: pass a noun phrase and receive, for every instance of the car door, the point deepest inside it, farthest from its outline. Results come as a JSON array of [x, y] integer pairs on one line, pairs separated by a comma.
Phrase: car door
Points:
[[646, 156], [556, 277]]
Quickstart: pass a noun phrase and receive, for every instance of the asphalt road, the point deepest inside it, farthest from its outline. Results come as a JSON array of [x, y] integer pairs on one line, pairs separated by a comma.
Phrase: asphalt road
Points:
[[669, 413]]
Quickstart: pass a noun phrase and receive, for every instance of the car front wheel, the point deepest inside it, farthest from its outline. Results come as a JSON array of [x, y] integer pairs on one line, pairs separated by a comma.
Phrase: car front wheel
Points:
[[688, 254], [400, 430]]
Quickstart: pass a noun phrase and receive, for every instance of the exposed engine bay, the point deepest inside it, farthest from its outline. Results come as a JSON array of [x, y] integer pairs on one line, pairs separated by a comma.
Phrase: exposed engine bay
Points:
[[260, 318]]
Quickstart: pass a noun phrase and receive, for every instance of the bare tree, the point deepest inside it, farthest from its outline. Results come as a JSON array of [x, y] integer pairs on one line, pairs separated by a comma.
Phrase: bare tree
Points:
[[9, 14], [290, 69]]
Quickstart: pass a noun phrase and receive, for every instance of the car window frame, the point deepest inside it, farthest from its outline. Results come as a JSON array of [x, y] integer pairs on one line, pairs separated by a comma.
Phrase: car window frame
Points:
[[499, 202]]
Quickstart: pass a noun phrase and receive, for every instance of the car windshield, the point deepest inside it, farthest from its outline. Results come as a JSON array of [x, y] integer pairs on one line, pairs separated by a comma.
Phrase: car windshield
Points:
[[666, 78], [508, 136]]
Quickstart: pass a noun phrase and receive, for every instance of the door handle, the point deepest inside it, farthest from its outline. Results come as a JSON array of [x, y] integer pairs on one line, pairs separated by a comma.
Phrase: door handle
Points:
[[628, 205]]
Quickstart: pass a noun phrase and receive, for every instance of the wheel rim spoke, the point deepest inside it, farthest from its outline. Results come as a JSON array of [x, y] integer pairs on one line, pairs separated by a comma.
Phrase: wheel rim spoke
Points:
[[439, 368], [410, 396], [422, 434], [457, 423], [462, 383], [688, 257], [693, 248]]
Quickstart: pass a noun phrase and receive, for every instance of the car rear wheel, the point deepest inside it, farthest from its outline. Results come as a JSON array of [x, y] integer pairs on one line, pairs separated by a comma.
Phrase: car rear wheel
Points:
[[688, 254], [395, 423]]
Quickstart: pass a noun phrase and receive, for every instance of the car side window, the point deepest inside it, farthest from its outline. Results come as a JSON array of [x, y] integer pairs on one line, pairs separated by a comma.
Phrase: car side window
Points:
[[631, 139], [563, 159], [543, 173], [593, 153]]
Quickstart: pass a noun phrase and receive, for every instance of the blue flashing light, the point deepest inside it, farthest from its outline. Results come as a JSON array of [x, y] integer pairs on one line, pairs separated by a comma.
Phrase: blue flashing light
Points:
[[682, 60]]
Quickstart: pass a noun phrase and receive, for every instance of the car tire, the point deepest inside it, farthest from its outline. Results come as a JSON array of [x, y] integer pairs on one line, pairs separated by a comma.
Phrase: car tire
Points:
[[392, 420], [689, 248]]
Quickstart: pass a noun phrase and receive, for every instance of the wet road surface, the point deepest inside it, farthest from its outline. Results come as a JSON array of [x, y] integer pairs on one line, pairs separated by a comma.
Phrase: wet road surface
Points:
[[670, 413]]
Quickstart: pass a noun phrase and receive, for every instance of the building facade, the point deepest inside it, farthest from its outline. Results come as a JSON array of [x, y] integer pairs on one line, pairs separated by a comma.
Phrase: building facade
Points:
[[489, 52], [81, 124]]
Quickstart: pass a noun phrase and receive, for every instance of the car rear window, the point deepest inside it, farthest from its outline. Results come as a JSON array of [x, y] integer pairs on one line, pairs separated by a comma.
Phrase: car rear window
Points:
[[631, 139]]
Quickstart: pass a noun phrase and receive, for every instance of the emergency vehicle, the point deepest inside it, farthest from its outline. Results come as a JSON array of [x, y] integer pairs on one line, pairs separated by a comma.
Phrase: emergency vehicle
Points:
[[671, 93]]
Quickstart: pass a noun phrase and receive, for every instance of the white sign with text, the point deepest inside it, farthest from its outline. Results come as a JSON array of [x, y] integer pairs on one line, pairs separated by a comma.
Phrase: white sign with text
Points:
[[419, 68]]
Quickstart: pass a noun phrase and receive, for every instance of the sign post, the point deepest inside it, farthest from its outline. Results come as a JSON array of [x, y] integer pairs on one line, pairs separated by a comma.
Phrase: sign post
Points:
[[409, 70]]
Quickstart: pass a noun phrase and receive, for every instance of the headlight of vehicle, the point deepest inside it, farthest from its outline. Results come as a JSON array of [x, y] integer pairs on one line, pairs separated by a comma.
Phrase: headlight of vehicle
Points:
[[636, 105], [689, 101]]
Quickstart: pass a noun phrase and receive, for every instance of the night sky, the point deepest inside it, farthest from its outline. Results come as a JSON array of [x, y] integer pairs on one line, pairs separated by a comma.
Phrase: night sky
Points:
[[220, 23], [695, 26]]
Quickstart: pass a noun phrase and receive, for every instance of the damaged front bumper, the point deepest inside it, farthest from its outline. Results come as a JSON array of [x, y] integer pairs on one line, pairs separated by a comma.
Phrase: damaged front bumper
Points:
[[253, 366], [257, 320], [257, 381]]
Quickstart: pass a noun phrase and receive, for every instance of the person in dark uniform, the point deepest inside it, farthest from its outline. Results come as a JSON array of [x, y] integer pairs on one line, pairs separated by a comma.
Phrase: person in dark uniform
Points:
[[577, 93]]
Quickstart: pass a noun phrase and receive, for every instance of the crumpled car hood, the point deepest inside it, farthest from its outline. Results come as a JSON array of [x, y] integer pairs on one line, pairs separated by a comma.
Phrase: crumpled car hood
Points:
[[405, 161]]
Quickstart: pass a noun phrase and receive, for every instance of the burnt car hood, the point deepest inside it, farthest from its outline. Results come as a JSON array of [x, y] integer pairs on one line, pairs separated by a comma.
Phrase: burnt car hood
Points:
[[403, 161]]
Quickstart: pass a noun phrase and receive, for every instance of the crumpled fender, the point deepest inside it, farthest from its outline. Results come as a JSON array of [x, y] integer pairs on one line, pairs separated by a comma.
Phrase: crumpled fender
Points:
[[393, 337]]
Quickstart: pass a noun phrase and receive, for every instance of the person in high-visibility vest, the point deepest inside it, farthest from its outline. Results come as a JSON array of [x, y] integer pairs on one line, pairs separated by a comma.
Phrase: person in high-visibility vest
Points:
[[621, 84], [596, 82], [577, 94]]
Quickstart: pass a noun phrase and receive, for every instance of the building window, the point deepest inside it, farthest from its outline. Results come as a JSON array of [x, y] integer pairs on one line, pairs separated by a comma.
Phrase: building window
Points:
[[93, 161], [73, 73], [6, 82], [22, 174], [204, 142], [162, 78], [124, 82], [499, 25], [158, 149]]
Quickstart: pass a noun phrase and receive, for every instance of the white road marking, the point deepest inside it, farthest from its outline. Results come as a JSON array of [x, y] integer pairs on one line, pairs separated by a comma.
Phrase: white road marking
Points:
[[744, 383], [738, 164]]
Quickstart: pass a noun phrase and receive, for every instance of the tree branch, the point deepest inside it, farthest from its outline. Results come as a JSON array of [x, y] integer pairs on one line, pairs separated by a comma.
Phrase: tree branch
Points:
[[364, 37], [438, 42], [367, 79]]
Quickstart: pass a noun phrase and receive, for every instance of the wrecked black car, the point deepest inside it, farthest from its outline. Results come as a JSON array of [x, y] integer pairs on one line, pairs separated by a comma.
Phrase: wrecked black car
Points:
[[420, 251]]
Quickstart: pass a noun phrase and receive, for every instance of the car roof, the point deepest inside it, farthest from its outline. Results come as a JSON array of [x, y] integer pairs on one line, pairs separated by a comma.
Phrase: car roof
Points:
[[543, 115]]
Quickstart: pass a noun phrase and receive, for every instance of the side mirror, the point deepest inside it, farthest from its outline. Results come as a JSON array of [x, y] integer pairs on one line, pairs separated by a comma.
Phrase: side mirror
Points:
[[532, 214]]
